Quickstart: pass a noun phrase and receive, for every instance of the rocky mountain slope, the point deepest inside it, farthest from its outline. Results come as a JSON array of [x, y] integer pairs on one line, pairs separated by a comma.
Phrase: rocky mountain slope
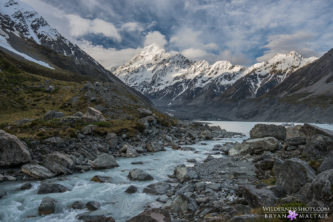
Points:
[[24, 33], [172, 79]]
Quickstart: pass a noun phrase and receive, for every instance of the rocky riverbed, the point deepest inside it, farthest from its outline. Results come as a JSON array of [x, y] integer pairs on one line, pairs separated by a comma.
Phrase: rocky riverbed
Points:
[[222, 178]]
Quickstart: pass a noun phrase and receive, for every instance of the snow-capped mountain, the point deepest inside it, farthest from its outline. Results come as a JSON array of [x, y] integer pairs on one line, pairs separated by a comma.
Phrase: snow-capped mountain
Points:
[[260, 78], [24, 33], [169, 78]]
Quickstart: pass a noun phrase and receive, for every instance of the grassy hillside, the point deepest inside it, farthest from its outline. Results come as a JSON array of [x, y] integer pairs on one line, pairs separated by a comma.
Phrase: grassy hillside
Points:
[[25, 94]]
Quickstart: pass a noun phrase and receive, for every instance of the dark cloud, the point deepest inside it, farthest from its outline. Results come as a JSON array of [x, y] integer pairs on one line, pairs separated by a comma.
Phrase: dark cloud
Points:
[[242, 31]]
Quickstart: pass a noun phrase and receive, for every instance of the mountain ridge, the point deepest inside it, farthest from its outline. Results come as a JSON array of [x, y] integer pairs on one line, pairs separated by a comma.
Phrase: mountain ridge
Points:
[[172, 79]]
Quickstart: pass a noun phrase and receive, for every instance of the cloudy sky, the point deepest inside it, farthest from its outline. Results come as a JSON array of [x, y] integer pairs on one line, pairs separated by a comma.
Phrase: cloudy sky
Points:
[[241, 31]]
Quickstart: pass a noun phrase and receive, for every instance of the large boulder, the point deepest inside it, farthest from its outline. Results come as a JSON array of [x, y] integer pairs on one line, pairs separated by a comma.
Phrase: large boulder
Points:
[[159, 188], [52, 114], [104, 161], [93, 115], [37, 171], [140, 175], [295, 141], [131, 189], [144, 112], [129, 151], [47, 206], [153, 215], [294, 131], [183, 205], [327, 163], [265, 130], [321, 188], [154, 147], [292, 174], [59, 163], [258, 197], [95, 216], [255, 146], [183, 173], [12, 150], [310, 130], [93, 205], [45, 188]]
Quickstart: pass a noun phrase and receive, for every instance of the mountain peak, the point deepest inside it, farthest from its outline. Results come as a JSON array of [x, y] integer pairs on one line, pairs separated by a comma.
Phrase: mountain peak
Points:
[[153, 49]]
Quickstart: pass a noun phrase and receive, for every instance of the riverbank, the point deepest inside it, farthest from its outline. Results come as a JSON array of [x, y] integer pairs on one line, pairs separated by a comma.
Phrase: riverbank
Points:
[[215, 180]]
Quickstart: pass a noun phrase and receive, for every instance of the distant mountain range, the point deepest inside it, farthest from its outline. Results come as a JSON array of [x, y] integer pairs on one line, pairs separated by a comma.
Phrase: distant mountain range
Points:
[[170, 79], [287, 87]]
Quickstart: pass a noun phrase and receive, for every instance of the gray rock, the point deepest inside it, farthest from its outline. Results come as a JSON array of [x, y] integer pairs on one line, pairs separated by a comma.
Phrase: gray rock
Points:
[[183, 173], [294, 131], [152, 215], [140, 175], [37, 171], [95, 217], [52, 114], [54, 140], [50, 89], [93, 115], [154, 147], [12, 150], [26, 186], [78, 205], [137, 163], [310, 130], [47, 206], [327, 163], [144, 112], [131, 189], [255, 146], [320, 189], [93, 205], [89, 129], [59, 163], [266, 164], [183, 205], [22, 122], [129, 151], [318, 146], [292, 174], [296, 141], [159, 188], [264, 130], [104, 161], [101, 179], [258, 197], [45, 188]]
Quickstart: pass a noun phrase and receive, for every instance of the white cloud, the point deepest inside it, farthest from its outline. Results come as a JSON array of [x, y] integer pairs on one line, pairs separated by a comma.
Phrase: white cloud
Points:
[[132, 27], [155, 37], [80, 26], [108, 57], [234, 58], [284, 43], [193, 53]]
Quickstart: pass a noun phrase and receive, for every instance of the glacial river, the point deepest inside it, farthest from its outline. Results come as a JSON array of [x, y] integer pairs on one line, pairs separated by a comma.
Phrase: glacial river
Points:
[[20, 205]]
